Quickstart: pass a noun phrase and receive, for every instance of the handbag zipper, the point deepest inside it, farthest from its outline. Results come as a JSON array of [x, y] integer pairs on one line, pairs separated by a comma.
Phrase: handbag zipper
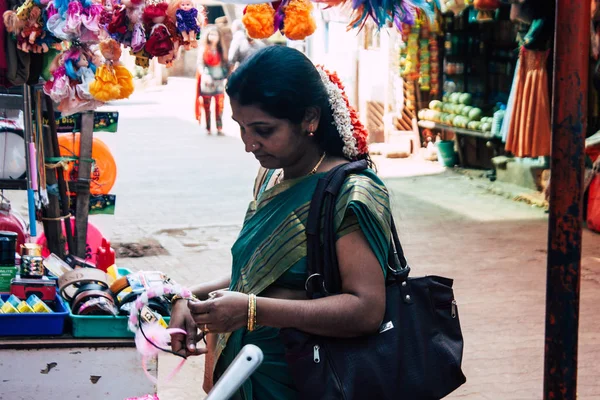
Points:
[[452, 305], [316, 354]]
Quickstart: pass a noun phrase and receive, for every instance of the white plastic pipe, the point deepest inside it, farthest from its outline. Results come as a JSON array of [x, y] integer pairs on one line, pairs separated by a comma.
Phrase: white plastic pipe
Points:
[[246, 362]]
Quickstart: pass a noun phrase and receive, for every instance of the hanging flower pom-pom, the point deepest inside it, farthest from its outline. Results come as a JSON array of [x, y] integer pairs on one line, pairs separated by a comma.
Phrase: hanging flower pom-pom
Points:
[[259, 20], [298, 22]]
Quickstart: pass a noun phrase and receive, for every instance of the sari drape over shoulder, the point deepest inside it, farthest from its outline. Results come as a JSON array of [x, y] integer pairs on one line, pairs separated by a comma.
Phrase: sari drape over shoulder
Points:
[[271, 251]]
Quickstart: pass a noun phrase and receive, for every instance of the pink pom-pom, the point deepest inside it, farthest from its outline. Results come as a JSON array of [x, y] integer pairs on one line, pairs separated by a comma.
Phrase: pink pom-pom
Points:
[[155, 333]]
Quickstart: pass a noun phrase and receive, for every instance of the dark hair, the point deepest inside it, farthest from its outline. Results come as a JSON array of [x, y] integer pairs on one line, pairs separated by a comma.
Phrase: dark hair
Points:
[[220, 49], [284, 83]]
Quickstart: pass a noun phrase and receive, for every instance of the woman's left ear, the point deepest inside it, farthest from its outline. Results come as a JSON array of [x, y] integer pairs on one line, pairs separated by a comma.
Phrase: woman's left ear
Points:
[[310, 124]]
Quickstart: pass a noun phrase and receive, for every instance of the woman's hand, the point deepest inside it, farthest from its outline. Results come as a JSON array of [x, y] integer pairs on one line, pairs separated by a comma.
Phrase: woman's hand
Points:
[[185, 344], [223, 312]]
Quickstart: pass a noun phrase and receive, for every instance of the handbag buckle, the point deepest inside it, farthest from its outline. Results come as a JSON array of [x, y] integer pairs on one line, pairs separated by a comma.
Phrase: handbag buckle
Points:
[[322, 283]]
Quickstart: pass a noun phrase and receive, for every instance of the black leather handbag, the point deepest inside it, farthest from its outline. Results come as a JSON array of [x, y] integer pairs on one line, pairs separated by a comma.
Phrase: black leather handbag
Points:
[[417, 352]]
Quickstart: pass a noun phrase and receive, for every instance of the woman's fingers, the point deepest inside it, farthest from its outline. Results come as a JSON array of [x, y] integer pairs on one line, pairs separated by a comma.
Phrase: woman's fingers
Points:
[[200, 307], [178, 343]]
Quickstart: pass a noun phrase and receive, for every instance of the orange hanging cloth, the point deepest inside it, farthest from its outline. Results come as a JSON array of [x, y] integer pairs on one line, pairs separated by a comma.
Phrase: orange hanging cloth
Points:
[[529, 133]]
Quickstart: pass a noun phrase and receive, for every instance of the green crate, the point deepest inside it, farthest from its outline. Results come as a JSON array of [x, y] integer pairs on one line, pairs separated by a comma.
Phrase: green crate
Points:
[[7, 274], [100, 326]]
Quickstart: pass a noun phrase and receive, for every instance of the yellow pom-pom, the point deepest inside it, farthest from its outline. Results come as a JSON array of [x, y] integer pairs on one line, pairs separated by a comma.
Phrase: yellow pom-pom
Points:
[[125, 80], [298, 23], [106, 86], [259, 20]]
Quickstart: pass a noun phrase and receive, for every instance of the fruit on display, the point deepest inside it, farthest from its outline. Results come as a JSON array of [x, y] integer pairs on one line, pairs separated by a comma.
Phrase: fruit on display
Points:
[[436, 105], [456, 110]]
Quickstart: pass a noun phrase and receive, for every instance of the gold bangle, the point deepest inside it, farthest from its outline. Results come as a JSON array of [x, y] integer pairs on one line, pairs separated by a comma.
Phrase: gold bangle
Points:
[[178, 297], [251, 312]]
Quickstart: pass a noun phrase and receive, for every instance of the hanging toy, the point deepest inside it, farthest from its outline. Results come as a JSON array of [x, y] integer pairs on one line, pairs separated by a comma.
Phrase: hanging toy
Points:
[[259, 20], [112, 81], [186, 17], [14, 25], [159, 42], [150, 336], [72, 72], [33, 31]]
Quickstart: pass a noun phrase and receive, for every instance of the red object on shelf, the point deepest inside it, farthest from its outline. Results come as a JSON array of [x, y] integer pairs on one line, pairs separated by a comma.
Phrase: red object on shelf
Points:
[[9, 221], [106, 256]]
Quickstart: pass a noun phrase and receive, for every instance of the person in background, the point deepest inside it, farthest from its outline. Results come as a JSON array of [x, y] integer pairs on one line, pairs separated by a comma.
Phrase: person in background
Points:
[[242, 45], [211, 73]]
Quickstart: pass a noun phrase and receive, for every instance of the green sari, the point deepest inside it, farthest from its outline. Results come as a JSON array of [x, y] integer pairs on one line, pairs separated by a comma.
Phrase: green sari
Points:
[[271, 250]]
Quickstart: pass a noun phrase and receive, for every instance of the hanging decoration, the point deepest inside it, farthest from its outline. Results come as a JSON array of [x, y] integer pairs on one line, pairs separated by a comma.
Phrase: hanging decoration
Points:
[[73, 71], [420, 56], [70, 31], [291, 17], [113, 81], [381, 12], [486, 9]]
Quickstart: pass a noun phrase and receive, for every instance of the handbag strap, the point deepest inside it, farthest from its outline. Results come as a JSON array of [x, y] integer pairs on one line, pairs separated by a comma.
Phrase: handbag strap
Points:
[[323, 271]]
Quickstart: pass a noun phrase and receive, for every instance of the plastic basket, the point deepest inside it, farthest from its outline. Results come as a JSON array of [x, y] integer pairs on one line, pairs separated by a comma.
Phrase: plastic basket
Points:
[[35, 324], [100, 326]]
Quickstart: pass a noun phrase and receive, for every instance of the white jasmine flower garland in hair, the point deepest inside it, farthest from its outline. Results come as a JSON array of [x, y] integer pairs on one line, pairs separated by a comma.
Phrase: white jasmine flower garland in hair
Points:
[[345, 119]]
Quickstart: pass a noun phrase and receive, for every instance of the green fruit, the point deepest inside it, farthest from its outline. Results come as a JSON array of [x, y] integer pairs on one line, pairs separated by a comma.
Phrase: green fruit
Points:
[[459, 109], [466, 110], [446, 107], [455, 98], [421, 114], [473, 125], [465, 98], [436, 105], [486, 127], [475, 114]]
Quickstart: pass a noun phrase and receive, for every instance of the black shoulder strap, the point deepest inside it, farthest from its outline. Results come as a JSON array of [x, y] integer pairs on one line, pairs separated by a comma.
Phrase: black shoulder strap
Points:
[[323, 272]]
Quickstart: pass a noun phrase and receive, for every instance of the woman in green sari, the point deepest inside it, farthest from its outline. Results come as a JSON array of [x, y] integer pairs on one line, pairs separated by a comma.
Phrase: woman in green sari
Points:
[[296, 120]]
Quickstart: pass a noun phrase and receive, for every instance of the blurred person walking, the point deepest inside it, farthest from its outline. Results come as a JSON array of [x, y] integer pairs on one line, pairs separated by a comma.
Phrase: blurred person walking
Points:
[[211, 73]]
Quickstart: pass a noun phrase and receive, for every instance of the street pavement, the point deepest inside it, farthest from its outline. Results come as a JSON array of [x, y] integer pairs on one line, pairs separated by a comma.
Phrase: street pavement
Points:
[[189, 191]]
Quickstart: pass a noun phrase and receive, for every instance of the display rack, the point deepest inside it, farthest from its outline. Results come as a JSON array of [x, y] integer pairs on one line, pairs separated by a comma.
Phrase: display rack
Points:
[[56, 211]]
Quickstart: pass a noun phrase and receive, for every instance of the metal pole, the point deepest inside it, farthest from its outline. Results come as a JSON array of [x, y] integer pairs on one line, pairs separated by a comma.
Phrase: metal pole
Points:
[[569, 119]]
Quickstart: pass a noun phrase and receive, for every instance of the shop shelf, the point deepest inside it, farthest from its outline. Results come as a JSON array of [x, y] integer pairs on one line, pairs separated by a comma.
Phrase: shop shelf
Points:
[[35, 324]]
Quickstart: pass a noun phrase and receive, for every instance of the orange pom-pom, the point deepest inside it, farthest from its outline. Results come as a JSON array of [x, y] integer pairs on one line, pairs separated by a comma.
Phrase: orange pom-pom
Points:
[[298, 23], [259, 20]]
